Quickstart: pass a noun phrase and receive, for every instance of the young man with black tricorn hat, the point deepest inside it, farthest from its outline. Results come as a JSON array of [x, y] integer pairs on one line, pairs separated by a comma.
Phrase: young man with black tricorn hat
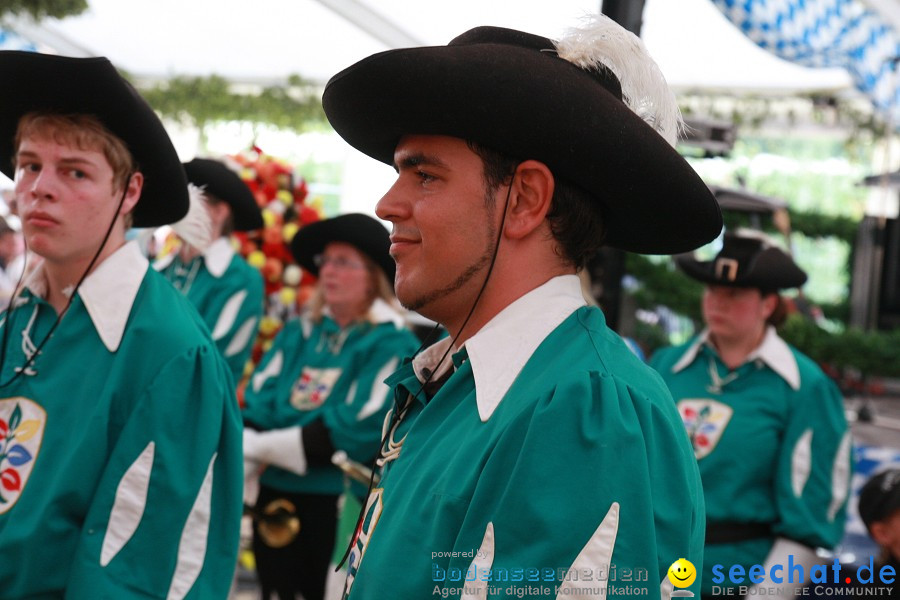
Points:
[[227, 292], [120, 450], [766, 424], [531, 440]]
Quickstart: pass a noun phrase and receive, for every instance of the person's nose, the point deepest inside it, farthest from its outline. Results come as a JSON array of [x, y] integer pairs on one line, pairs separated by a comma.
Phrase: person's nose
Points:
[[392, 206], [42, 185]]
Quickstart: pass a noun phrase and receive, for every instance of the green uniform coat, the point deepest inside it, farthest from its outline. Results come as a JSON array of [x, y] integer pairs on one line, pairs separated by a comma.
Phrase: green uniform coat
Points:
[[227, 292], [120, 448], [773, 446], [318, 371], [552, 459]]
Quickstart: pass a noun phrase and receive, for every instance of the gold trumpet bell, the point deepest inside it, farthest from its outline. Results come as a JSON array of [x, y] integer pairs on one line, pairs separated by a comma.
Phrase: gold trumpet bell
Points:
[[279, 524]]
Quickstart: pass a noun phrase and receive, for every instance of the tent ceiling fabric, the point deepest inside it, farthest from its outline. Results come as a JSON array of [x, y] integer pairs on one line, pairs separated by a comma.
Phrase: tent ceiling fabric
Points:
[[271, 39]]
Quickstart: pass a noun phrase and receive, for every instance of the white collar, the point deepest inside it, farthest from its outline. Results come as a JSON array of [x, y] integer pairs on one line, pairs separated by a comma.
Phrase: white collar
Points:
[[108, 293], [773, 351], [218, 256], [382, 312], [500, 349]]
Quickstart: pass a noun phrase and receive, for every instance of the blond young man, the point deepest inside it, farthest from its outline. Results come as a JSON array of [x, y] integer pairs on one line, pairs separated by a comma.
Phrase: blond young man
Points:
[[120, 453]]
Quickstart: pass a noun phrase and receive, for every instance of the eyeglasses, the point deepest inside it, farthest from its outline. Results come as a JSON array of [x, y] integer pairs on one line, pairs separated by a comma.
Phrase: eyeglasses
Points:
[[338, 262]]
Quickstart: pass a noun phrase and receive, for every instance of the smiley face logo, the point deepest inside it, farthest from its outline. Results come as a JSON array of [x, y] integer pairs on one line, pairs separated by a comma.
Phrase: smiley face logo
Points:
[[682, 573]]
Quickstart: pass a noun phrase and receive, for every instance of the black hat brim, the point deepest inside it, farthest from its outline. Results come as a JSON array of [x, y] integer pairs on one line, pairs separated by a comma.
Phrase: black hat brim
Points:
[[223, 183], [360, 231], [531, 105], [92, 86], [771, 269]]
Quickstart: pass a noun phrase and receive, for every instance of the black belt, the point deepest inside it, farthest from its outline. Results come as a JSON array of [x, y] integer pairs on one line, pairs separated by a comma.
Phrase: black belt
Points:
[[729, 532]]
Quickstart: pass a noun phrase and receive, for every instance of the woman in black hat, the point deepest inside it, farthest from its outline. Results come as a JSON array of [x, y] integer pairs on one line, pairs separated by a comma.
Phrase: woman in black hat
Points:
[[767, 426], [320, 389]]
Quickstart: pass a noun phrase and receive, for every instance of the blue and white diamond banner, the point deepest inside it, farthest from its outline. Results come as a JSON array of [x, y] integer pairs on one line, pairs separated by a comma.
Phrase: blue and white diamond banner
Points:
[[827, 33], [9, 40]]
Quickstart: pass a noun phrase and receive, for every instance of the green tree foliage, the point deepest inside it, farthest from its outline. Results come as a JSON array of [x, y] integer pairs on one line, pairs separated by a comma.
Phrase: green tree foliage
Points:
[[662, 283], [868, 352], [811, 224], [200, 101], [41, 9]]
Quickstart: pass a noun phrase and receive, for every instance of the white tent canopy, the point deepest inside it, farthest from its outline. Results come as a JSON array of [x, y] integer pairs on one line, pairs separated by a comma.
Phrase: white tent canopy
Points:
[[695, 45], [267, 40]]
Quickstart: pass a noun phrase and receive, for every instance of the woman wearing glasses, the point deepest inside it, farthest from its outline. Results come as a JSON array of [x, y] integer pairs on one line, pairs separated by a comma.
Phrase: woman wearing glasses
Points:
[[318, 390]]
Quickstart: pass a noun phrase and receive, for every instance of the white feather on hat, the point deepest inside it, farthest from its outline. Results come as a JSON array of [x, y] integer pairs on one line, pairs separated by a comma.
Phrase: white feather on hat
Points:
[[600, 41], [196, 226]]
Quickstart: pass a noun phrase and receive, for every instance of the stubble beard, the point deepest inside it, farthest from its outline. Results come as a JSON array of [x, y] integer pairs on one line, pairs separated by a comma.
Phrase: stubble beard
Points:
[[480, 264]]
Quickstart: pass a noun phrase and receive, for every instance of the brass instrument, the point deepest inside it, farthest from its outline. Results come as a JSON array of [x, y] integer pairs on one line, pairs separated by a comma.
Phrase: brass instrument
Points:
[[278, 523], [352, 469]]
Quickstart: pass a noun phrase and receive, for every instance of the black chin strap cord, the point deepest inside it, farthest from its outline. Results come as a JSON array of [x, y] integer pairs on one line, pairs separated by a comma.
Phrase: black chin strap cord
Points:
[[19, 289], [399, 412]]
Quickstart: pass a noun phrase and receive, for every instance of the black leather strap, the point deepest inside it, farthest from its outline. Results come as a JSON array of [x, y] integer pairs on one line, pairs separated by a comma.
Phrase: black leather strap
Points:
[[730, 532]]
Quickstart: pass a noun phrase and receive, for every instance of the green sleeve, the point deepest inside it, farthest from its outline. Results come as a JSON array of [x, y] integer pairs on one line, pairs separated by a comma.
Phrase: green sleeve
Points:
[[355, 423], [596, 477], [813, 474], [165, 516], [234, 334], [261, 396]]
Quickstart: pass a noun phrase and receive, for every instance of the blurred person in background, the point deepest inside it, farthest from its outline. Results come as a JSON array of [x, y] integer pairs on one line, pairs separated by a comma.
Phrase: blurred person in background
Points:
[[766, 424], [12, 251], [228, 292], [319, 389], [879, 509]]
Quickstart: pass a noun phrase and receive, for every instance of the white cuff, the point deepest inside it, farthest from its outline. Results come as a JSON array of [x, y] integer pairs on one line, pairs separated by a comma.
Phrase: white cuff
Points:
[[252, 471], [282, 448], [782, 550]]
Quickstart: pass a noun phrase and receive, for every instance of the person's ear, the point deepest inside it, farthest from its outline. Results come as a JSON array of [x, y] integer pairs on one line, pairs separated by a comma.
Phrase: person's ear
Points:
[[530, 198], [132, 192], [769, 304], [880, 533]]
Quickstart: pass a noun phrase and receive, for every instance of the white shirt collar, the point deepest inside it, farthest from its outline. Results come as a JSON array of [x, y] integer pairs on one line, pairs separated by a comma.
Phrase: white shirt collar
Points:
[[500, 349], [218, 256], [108, 293], [382, 312], [773, 351]]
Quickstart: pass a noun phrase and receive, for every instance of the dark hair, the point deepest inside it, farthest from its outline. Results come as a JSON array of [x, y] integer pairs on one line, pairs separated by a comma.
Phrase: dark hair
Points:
[[780, 312], [575, 217]]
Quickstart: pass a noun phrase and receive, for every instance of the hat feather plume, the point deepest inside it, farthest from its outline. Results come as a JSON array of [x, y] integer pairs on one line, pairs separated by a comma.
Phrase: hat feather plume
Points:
[[196, 226], [600, 41]]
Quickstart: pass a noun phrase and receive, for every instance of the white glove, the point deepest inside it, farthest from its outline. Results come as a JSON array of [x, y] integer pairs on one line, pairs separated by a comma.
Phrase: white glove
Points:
[[252, 471], [279, 447], [782, 549]]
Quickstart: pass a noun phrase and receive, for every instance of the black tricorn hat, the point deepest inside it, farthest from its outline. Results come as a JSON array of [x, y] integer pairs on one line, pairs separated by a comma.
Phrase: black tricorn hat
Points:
[[745, 261], [510, 91], [92, 86], [361, 231], [880, 497], [223, 183]]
